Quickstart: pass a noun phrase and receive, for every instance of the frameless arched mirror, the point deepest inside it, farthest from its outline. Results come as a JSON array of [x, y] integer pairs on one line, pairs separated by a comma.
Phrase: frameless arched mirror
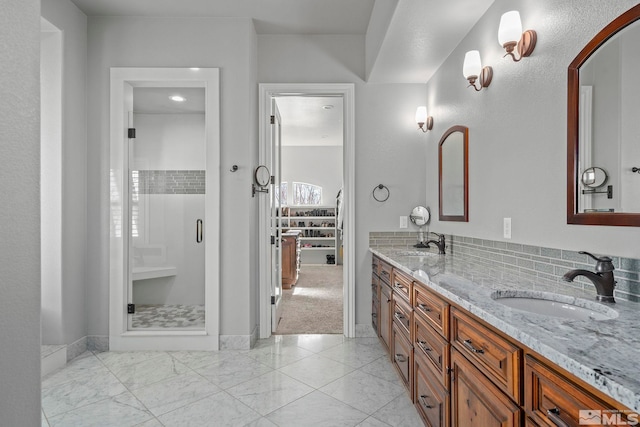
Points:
[[453, 164], [602, 126]]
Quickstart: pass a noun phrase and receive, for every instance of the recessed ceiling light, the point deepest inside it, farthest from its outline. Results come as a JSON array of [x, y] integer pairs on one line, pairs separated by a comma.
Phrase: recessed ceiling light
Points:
[[327, 107], [177, 98]]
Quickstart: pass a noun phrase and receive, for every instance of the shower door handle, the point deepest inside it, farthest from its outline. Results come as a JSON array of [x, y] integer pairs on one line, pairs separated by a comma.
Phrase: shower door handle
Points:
[[198, 231]]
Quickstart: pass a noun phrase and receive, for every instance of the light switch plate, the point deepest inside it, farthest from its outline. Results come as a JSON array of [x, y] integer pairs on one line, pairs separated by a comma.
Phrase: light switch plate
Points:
[[506, 227], [403, 222]]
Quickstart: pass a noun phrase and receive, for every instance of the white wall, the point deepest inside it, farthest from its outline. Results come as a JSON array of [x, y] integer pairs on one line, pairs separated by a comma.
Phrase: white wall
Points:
[[517, 129], [313, 165], [181, 42], [20, 213], [75, 228]]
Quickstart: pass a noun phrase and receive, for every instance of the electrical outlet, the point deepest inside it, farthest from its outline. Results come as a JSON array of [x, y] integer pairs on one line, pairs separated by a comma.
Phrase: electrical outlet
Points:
[[506, 227], [403, 222]]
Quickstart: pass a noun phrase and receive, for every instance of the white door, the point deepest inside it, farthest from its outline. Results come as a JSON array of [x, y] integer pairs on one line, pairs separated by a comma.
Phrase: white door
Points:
[[275, 217]]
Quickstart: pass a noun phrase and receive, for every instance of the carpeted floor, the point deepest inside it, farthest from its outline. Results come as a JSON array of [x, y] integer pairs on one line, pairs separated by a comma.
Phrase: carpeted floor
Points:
[[314, 304]]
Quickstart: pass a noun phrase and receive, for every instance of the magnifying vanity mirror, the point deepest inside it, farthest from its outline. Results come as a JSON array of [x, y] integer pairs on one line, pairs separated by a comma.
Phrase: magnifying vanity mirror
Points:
[[261, 180], [453, 164], [602, 127], [420, 216]]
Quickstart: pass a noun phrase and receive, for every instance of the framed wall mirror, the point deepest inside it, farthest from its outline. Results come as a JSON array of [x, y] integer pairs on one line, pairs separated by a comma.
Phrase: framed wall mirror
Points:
[[453, 171], [602, 126]]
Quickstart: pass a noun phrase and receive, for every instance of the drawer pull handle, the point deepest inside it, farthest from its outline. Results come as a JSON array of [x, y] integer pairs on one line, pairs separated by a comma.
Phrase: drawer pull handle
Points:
[[424, 308], [423, 345], [398, 316], [400, 358], [385, 273], [554, 416], [374, 315], [423, 400], [398, 286], [469, 345]]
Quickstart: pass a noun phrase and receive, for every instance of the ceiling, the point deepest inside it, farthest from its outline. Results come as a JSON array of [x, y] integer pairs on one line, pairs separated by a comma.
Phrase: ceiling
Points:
[[407, 40]]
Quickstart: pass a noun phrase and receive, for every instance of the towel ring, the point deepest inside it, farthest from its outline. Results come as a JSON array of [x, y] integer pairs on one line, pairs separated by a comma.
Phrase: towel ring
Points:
[[378, 197]]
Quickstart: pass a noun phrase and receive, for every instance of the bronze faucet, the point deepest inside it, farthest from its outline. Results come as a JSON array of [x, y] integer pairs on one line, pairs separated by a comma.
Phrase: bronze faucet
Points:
[[602, 279], [440, 243]]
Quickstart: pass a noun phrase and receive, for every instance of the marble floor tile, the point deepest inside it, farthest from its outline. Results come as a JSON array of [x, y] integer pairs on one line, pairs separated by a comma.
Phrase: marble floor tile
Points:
[[316, 371], [219, 409], [354, 353], [230, 372], [279, 355], [400, 412], [61, 397], [350, 390], [324, 380], [167, 395], [312, 408], [119, 411], [119, 359], [269, 392], [150, 371]]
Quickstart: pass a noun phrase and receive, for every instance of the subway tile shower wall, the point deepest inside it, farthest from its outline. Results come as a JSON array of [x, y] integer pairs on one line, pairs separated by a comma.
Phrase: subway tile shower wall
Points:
[[169, 181], [533, 261]]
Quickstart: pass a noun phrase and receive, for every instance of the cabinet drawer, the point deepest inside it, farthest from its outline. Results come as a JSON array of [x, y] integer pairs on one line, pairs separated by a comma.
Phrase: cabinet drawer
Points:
[[375, 265], [476, 401], [384, 272], [432, 308], [433, 347], [431, 399], [494, 355], [402, 284], [552, 399], [375, 288], [402, 315], [402, 357]]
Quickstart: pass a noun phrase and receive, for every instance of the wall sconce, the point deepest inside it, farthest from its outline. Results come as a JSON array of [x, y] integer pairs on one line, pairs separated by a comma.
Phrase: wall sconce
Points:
[[510, 35], [422, 118], [473, 69]]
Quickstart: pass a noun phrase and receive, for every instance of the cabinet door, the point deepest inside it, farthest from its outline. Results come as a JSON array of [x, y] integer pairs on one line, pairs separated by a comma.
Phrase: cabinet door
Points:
[[375, 303], [385, 319], [476, 401], [551, 399], [430, 397], [433, 347], [402, 357]]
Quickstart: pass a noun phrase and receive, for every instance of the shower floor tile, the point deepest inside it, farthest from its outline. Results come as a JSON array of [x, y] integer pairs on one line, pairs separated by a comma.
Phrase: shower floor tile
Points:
[[162, 316]]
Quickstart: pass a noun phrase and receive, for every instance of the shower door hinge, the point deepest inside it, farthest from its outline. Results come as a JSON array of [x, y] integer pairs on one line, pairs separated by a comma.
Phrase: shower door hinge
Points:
[[273, 300], [131, 308], [273, 240], [273, 120], [131, 132], [273, 179]]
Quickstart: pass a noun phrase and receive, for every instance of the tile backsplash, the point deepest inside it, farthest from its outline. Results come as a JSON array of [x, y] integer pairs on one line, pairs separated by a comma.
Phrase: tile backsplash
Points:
[[169, 181], [533, 261]]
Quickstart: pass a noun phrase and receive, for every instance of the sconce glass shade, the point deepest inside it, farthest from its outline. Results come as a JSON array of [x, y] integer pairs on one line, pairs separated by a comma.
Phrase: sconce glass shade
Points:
[[510, 29], [472, 65], [421, 114]]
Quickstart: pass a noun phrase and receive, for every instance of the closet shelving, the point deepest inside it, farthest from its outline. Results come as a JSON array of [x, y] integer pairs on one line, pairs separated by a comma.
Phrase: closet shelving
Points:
[[317, 225]]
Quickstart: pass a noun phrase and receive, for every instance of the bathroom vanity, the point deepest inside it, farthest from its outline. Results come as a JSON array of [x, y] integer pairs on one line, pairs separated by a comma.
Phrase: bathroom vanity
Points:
[[468, 359]]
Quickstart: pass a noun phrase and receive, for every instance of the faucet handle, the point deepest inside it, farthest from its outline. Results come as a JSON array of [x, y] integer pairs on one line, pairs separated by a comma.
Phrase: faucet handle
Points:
[[603, 264]]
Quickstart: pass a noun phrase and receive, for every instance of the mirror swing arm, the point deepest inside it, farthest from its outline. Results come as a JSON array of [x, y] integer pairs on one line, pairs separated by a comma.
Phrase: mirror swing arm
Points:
[[573, 126]]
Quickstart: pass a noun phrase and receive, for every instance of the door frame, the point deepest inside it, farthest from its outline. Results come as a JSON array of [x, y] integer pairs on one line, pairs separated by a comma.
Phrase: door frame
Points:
[[123, 79], [347, 90]]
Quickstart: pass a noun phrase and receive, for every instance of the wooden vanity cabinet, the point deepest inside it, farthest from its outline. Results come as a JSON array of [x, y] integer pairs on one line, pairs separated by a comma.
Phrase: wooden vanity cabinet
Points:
[[290, 259], [495, 355], [554, 399], [385, 316], [475, 400]]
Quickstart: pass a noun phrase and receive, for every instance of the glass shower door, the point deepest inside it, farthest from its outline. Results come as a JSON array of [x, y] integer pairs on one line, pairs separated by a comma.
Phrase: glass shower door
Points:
[[167, 171]]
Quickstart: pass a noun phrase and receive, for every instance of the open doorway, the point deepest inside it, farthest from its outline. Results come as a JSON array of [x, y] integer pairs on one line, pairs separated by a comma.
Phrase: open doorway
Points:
[[313, 182], [309, 193]]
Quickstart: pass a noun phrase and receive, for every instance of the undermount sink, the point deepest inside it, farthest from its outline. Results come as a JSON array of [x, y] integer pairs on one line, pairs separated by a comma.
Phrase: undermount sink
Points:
[[554, 305]]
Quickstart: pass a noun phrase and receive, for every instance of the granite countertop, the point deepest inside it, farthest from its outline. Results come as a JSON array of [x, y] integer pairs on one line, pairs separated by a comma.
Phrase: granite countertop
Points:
[[603, 353]]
